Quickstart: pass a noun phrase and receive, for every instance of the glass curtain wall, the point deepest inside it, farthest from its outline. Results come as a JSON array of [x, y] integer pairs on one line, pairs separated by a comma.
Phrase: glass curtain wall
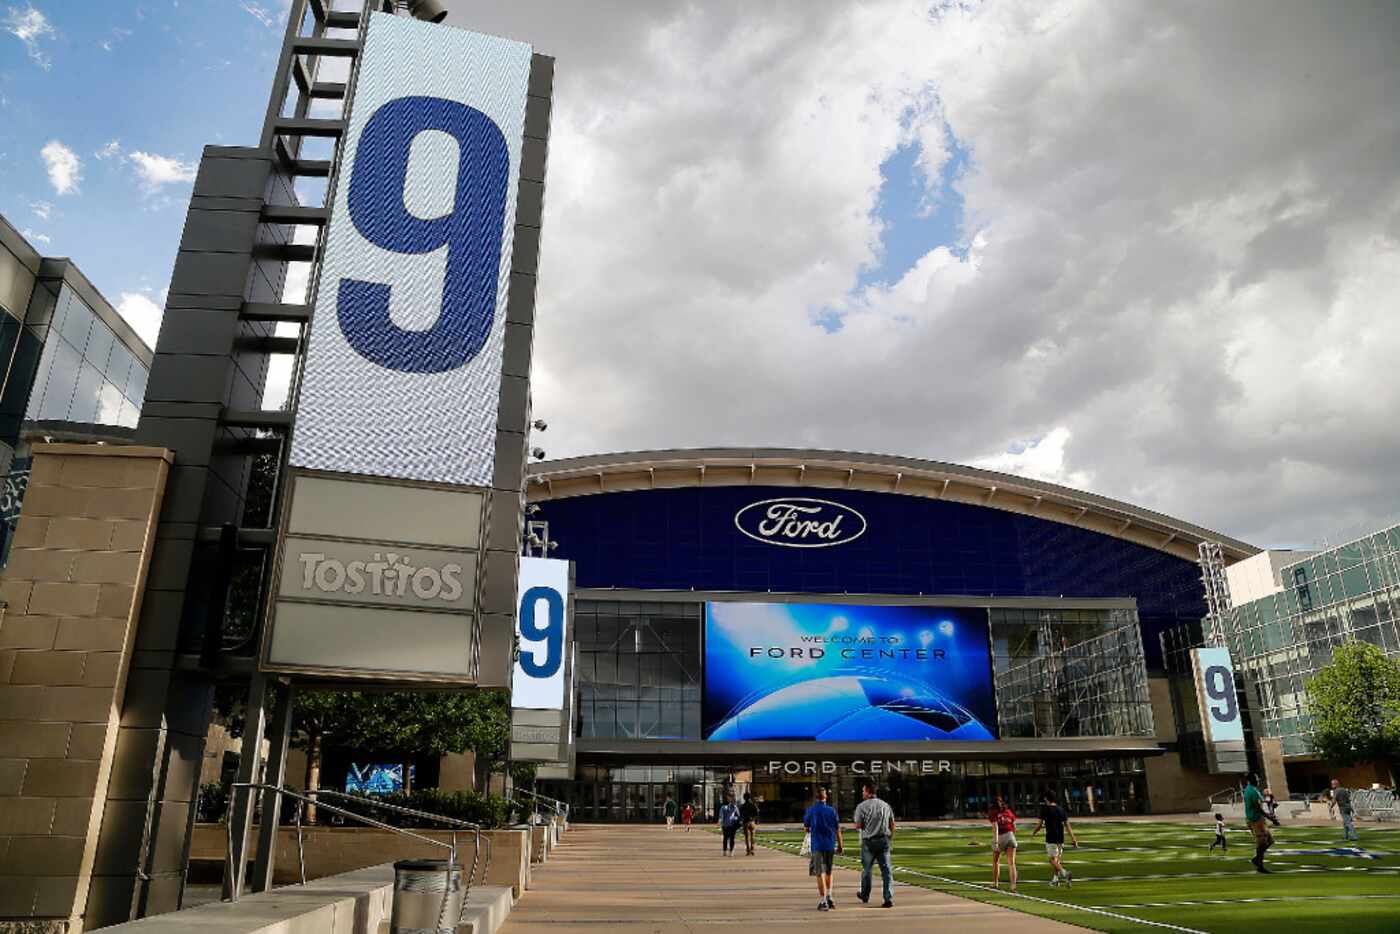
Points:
[[1281, 640], [1070, 673], [86, 374], [639, 670]]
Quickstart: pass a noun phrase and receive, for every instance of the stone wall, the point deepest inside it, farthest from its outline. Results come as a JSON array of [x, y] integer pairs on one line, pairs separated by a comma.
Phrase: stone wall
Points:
[[331, 851], [72, 592]]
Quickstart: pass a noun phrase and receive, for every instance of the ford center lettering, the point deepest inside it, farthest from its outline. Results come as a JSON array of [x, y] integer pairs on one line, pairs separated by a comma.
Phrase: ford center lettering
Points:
[[800, 522]]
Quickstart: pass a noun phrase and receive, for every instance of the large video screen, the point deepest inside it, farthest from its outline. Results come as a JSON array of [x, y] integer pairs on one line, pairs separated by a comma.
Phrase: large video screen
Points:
[[834, 672]]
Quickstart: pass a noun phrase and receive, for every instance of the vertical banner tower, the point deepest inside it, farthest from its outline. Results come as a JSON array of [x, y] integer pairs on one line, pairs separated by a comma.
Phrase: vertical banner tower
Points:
[[407, 453]]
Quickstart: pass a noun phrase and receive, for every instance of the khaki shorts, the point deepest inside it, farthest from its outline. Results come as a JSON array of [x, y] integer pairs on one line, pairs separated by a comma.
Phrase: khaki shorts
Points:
[[1054, 850], [1006, 841], [822, 863], [1260, 829]]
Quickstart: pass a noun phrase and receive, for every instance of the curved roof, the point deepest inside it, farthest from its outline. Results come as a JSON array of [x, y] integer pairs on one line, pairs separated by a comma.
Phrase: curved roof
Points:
[[647, 470]]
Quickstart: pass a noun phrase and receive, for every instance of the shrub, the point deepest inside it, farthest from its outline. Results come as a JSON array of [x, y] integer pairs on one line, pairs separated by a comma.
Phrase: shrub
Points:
[[487, 810]]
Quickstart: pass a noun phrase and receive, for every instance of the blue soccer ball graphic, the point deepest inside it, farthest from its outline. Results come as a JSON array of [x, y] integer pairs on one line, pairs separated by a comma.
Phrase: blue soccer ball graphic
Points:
[[852, 707]]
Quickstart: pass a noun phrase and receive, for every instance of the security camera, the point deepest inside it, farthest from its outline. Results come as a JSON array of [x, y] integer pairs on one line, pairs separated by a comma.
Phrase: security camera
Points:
[[539, 424], [537, 453]]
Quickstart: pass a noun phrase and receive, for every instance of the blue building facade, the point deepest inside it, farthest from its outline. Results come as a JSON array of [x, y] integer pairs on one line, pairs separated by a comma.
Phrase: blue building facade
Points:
[[687, 539]]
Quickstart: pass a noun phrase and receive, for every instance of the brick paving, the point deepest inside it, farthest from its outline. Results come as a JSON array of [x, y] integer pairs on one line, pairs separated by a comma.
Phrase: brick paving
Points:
[[634, 879]]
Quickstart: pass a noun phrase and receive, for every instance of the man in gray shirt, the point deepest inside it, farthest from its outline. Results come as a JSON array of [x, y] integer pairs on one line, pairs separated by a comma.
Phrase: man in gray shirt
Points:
[[875, 821], [1342, 798]]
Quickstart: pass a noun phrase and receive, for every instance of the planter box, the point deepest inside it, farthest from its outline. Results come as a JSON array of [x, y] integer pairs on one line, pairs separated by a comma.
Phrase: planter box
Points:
[[331, 851]]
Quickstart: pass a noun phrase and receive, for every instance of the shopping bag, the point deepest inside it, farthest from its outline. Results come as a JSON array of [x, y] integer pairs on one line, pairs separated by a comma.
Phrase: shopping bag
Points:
[[806, 845]]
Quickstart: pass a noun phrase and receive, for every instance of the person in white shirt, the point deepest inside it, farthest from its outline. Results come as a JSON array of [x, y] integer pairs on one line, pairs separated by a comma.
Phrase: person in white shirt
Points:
[[875, 823]]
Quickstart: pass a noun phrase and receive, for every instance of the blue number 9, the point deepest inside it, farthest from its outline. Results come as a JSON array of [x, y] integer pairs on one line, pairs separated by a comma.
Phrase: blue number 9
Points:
[[1221, 687], [471, 233], [551, 633]]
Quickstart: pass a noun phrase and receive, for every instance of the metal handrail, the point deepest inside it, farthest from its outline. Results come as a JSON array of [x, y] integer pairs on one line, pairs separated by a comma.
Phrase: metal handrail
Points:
[[1226, 796], [399, 809], [554, 804], [236, 872]]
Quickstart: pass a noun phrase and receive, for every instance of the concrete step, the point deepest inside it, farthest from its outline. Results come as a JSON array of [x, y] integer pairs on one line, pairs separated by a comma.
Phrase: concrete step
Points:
[[487, 908]]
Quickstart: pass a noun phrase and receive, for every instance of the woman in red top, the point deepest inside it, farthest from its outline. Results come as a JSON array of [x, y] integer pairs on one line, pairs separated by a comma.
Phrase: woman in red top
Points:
[[687, 815], [1003, 819]]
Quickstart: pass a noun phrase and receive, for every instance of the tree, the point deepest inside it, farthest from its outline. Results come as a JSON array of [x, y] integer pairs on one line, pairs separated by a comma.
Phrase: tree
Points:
[[1356, 706], [408, 724]]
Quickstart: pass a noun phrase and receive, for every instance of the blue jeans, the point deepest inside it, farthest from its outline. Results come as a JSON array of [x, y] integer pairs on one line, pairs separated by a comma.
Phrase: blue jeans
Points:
[[1349, 826], [876, 850]]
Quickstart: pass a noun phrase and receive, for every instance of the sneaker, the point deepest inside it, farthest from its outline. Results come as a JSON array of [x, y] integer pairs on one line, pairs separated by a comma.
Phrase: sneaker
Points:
[[1055, 882], [830, 902], [821, 905], [864, 899], [887, 904]]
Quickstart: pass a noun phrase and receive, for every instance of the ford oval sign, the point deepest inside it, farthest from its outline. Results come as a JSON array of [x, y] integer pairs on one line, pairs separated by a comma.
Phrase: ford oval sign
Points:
[[798, 522]]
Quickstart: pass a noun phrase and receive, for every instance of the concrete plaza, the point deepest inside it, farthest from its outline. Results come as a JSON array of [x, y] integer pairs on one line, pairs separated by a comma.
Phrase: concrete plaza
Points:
[[636, 879]]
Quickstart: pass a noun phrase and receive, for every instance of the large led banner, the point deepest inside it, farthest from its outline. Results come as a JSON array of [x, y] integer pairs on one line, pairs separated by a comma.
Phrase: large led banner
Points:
[[835, 672], [403, 368], [542, 617]]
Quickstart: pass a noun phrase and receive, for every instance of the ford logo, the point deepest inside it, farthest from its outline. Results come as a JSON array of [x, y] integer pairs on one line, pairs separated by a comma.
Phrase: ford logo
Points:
[[800, 522]]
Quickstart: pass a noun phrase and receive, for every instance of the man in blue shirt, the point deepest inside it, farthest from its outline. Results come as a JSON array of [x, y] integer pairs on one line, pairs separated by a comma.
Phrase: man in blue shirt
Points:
[[824, 827]]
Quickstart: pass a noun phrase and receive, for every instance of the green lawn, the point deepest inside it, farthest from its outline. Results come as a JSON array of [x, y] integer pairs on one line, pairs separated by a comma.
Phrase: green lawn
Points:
[[1161, 872]]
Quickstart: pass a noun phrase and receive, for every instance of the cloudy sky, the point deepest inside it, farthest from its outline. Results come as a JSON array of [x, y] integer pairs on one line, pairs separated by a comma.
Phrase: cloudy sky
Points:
[[1150, 250]]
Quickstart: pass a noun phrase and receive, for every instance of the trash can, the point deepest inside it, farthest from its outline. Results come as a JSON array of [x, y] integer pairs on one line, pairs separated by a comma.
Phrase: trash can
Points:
[[420, 886]]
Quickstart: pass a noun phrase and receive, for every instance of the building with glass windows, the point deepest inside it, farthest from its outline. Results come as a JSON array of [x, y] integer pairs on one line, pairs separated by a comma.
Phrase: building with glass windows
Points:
[[73, 369], [1290, 610], [761, 620]]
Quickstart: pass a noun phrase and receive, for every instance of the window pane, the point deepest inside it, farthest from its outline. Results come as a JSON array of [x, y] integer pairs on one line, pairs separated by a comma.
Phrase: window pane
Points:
[[119, 367], [63, 378], [84, 407], [41, 379], [136, 384], [129, 416], [109, 405], [99, 346], [77, 323]]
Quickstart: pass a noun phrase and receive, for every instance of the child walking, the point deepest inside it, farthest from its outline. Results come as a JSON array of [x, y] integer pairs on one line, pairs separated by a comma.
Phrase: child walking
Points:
[[1219, 835]]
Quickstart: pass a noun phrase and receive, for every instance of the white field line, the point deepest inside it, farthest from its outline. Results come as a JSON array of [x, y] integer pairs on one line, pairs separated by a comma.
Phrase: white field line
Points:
[[1035, 898], [1250, 901]]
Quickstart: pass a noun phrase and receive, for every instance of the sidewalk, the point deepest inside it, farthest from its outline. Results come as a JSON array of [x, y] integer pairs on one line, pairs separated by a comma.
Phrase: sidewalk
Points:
[[637, 879]]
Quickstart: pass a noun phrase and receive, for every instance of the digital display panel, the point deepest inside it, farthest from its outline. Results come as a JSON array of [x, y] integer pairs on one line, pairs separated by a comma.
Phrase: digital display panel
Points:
[[403, 367], [377, 778], [847, 673]]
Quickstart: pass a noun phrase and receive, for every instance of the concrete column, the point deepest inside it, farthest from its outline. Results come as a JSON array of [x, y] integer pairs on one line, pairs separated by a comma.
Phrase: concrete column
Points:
[[73, 592], [1271, 757]]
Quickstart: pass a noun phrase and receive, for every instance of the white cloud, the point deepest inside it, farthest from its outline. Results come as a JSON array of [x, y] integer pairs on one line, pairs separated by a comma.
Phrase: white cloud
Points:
[[1040, 459], [64, 167], [156, 171], [142, 314], [113, 148], [41, 209], [32, 28], [35, 237], [259, 13]]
